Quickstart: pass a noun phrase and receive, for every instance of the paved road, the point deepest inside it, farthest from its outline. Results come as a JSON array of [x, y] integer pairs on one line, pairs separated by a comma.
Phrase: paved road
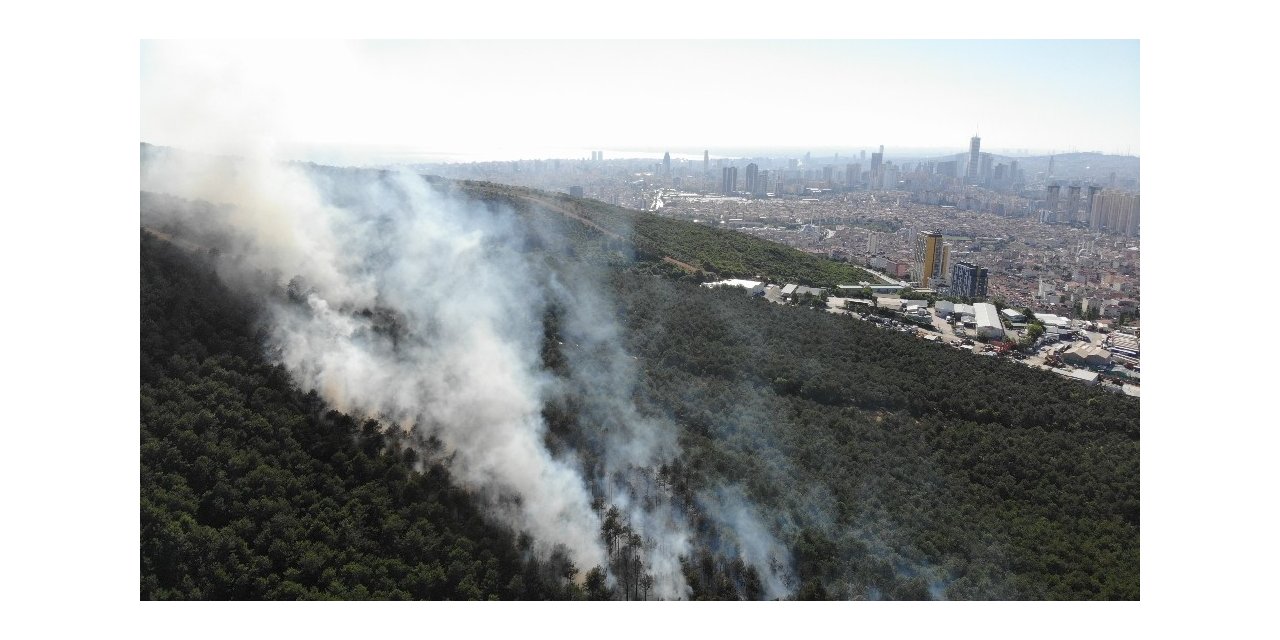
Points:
[[885, 278]]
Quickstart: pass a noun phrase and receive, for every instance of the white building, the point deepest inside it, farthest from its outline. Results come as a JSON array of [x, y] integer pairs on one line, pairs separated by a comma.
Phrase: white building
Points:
[[751, 286], [1123, 343], [1052, 320], [988, 320]]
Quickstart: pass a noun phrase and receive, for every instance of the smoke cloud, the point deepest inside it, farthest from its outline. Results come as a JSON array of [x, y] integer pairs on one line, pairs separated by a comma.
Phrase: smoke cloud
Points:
[[458, 358], [630, 446], [737, 518], [415, 305]]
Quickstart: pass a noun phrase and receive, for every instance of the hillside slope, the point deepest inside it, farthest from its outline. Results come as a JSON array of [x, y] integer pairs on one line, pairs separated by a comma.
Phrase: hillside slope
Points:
[[252, 489], [809, 456], [720, 252], [891, 467]]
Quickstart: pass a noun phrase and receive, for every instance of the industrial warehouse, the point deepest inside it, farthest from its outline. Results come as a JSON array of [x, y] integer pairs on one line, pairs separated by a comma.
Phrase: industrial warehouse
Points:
[[1087, 352]]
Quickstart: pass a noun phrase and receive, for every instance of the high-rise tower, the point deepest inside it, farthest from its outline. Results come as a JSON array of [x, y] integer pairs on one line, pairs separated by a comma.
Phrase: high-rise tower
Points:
[[971, 174], [1117, 212], [1088, 204], [730, 181], [1051, 198], [969, 280], [762, 184], [753, 173], [932, 256]]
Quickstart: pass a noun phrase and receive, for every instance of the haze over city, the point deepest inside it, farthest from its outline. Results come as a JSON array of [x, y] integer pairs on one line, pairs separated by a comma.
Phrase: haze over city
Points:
[[389, 101]]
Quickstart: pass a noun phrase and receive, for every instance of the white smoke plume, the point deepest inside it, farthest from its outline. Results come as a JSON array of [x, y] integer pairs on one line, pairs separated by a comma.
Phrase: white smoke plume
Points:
[[407, 303], [740, 524], [466, 368], [422, 308], [631, 445]]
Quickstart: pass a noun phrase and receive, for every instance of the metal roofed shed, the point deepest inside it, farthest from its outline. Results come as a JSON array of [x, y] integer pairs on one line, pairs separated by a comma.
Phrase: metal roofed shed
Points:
[[1090, 355], [1014, 315], [1052, 320], [988, 320], [1123, 343]]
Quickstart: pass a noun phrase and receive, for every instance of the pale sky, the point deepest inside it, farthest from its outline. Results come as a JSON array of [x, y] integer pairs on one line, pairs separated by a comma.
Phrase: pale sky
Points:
[[525, 98]]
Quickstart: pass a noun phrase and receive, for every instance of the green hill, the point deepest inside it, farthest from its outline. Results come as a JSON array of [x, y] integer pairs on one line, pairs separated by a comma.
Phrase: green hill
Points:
[[252, 489], [884, 467], [718, 252], [894, 468]]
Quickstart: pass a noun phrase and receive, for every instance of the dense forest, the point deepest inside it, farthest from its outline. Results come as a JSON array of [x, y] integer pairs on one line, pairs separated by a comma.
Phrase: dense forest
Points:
[[252, 489], [884, 467], [898, 468]]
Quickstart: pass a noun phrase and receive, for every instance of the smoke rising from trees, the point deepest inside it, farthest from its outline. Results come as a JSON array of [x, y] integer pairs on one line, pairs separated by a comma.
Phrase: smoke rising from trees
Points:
[[397, 300]]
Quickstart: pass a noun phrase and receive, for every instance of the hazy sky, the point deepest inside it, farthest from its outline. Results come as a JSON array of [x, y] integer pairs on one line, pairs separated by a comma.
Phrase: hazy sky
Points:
[[526, 98]]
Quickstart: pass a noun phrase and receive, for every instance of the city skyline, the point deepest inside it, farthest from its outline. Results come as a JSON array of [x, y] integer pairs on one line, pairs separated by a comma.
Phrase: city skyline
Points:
[[497, 100]]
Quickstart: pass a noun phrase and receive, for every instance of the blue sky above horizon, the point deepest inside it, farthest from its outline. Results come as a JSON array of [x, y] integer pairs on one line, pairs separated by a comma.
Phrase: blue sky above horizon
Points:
[[525, 98]]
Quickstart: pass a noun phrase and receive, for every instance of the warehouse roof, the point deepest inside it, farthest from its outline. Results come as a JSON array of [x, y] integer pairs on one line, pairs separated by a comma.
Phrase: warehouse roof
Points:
[[985, 315], [1084, 351], [1051, 320]]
